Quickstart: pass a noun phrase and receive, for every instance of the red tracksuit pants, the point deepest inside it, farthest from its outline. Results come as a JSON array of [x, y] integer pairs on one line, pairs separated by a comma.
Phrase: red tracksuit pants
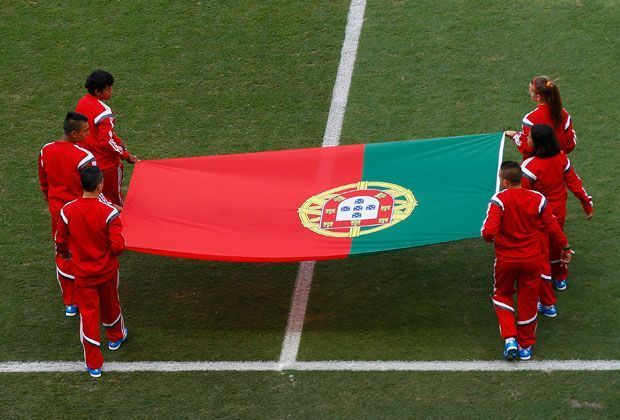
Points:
[[113, 184], [64, 269], [98, 302], [524, 279], [558, 271], [552, 267]]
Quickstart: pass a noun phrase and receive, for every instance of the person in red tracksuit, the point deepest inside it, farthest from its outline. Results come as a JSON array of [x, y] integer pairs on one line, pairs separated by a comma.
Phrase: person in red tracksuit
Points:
[[549, 111], [59, 164], [102, 140], [90, 232], [550, 172], [516, 219]]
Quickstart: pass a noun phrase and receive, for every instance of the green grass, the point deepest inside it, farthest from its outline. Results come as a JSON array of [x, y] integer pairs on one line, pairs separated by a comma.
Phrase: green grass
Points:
[[210, 77], [314, 395], [195, 80], [427, 71]]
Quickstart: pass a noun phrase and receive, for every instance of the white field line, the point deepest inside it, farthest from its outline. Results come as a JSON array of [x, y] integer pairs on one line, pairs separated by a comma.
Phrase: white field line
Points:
[[331, 366], [290, 345], [340, 95]]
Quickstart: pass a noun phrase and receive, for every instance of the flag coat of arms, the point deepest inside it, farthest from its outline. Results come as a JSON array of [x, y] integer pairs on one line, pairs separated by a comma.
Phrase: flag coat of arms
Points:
[[311, 204]]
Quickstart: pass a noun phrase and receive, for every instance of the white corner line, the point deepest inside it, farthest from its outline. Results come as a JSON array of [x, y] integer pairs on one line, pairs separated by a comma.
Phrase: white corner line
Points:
[[335, 118], [325, 366]]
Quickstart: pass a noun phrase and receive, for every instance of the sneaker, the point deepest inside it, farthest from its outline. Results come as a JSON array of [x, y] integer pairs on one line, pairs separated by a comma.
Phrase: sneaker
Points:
[[114, 345], [510, 349], [71, 310], [95, 373], [525, 353], [560, 284], [549, 311]]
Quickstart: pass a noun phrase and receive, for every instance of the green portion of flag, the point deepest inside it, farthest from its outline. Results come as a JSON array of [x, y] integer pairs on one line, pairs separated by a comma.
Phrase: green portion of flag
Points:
[[452, 180]]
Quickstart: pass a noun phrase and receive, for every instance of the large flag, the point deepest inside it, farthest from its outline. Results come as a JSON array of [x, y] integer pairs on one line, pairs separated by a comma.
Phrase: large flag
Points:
[[310, 204]]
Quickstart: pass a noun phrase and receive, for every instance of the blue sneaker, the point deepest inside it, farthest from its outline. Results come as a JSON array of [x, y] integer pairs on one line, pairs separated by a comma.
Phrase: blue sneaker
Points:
[[560, 284], [525, 353], [71, 310], [114, 345], [549, 311], [510, 349], [95, 373]]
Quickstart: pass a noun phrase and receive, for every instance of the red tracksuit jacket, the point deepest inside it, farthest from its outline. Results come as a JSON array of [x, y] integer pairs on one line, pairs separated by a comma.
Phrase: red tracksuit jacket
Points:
[[550, 176], [96, 239], [60, 163], [101, 140], [515, 220], [564, 132]]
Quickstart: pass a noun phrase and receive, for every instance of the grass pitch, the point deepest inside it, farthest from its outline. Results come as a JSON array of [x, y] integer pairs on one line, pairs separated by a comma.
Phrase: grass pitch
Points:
[[208, 77], [313, 395]]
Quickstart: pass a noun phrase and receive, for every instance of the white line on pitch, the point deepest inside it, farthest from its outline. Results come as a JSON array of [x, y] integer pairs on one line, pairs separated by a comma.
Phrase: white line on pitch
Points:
[[340, 95], [328, 366], [290, 345]]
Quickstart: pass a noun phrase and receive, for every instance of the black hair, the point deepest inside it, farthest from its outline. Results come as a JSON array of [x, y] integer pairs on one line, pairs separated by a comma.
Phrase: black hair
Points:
[[73, 122], [98, 80], [545, 143], [90, 178], [511, 172]]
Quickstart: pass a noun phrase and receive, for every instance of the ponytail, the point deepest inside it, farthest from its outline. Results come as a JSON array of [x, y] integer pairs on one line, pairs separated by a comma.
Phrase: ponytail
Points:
[[548, 90]]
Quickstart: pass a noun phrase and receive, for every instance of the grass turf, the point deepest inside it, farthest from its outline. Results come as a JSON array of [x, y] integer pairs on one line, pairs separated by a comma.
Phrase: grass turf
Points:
[[190, 80], [314, 395], [426, 71], [207, 77]]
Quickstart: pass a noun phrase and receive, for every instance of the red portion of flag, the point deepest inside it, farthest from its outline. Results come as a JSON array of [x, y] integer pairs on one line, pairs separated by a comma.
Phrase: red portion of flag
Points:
[[236, 207]]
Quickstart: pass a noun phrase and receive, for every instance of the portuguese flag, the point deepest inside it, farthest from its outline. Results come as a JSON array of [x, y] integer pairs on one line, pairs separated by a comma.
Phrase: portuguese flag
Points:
[[312, 204]]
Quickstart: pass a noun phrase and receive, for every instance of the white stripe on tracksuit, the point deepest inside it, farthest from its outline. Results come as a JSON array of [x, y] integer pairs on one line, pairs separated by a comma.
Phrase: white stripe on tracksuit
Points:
[[120, 315], [84, 337], [503, 305], [120, 184], [529, 321]]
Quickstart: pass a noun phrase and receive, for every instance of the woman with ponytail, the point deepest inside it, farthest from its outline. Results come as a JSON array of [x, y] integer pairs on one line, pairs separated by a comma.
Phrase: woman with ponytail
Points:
[[549, 111], [550, 173]]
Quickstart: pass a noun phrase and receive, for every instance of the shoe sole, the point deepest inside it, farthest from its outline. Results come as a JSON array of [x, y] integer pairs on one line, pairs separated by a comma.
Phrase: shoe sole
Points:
[[117, 347], [94, 376], [525, 358], [70, 315], [559, 289], [550, 315]]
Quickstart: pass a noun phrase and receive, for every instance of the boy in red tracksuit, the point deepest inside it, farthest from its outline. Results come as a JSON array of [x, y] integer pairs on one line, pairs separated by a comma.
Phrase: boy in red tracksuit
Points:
[[549, 111], [516, 219], [102, 140], [550, 172], [90, 232], [59, 164]]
